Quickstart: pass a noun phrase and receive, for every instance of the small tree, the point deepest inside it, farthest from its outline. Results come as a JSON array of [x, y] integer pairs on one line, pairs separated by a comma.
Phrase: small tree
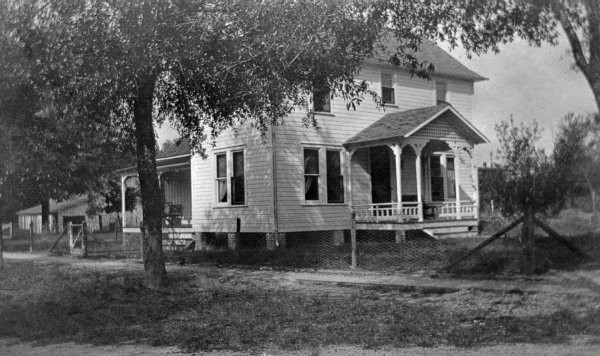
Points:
[[525, 181], [577, 155]]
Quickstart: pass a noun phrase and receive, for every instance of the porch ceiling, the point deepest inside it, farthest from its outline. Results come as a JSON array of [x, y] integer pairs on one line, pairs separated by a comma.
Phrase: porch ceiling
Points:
[[404, 124]]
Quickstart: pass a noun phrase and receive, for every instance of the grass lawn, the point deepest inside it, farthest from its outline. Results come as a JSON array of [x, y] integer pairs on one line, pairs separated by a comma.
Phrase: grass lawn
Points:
[[207, 308]]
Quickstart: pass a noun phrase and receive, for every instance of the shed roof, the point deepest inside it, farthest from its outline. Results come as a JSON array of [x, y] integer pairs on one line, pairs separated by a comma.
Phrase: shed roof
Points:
[[443, 62], [54, 207], [404, 124]]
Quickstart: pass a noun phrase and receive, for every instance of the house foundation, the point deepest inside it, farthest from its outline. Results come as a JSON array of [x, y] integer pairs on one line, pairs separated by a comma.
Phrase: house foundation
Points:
[[233, 240], [275, 240], [200, 241]]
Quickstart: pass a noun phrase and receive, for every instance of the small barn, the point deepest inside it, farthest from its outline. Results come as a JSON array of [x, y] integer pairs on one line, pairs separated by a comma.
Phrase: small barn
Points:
[[61, 213]]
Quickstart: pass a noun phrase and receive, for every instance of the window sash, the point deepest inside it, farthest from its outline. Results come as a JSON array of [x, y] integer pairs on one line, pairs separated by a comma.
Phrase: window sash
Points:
[[311, 174], [321, 100], [238, 193], [335, 180], [387, 89], [440, 91]]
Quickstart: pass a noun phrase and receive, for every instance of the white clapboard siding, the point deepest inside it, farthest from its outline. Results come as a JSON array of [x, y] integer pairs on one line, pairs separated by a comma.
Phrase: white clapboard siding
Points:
[[257, 214], [294, 214]]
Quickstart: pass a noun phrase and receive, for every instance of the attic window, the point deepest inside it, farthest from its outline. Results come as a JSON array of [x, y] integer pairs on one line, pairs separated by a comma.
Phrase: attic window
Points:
[[387, 89], [440, 91], [321, 99]]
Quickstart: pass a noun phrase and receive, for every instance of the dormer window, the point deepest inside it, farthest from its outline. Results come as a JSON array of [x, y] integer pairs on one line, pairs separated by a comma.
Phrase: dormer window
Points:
[[387, 89], [440, 91], [321, 99]]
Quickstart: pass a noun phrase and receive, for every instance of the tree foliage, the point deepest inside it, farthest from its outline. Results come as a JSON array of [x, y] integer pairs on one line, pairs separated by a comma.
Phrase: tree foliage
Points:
[[577, 155], [525, 178], [209, 65]]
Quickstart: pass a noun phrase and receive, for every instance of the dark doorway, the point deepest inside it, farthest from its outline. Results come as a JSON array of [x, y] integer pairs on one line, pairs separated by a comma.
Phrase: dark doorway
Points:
[[381, 189]]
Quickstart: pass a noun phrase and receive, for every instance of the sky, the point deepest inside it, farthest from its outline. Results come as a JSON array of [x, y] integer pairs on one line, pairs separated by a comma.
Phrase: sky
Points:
[[529, 83]]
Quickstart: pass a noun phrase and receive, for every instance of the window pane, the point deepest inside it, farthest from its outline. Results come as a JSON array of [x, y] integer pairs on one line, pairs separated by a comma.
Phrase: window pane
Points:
[[222, 190], [335, 180], [311, 161], [311, 187], [440, 90], [321, 100], [386, 80], [237, 181], [221, 166], [387, 95], [238, 164]]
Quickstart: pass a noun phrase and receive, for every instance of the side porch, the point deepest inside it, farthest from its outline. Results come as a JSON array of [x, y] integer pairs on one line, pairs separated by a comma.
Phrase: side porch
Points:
[[175, 182]]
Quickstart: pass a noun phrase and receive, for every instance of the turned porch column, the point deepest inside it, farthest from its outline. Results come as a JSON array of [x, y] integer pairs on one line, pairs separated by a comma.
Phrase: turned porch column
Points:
[[418, 147], [456, 150], [397, 149]]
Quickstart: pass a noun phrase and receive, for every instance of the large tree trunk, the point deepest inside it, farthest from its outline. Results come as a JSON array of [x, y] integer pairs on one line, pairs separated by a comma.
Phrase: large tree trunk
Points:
[[528, 241], [152, 202]]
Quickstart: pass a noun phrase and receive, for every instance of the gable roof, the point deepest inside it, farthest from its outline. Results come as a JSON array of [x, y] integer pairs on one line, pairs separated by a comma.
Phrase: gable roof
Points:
[[181, 149], [429, 51], [406, 123], [54, 207]]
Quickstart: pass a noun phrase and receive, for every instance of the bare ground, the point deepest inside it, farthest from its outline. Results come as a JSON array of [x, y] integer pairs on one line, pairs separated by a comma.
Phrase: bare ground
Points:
[[578, 291]]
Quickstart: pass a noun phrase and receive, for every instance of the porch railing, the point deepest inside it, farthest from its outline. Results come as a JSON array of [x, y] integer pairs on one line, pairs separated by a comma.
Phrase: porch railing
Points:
[[468, 209], [388, 211]]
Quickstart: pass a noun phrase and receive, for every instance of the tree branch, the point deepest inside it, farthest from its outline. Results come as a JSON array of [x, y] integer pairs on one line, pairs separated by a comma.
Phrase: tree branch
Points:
[[562, 16]]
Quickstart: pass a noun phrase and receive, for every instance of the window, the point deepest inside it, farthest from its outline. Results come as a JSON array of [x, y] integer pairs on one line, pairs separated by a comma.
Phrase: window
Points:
[[450, 182], [222, 178], [440, 91], [238, 195], [230, 180], [311, 174], [387, 89], [335, 180], [321, 99]]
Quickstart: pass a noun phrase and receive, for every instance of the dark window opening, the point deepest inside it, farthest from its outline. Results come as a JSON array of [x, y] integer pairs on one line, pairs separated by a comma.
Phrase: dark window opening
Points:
[[321, 100], [311, 174], [238, 194], [335, 180], [437, 179]]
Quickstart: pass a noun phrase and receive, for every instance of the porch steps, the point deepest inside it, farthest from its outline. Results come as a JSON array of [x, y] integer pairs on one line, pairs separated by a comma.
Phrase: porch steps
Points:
[[448, 232]]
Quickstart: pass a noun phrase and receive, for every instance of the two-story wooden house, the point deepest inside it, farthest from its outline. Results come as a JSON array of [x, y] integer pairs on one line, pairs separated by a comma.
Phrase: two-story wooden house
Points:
[[405, 167]]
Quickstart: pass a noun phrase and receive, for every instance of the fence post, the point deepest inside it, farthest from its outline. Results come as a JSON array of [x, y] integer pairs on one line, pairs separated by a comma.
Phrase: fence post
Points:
[[70, 232], [353, 239], [31, 236], [84, 239]]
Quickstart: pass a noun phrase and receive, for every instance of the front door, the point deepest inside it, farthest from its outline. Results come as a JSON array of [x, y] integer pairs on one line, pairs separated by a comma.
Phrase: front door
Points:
[[380, 174]]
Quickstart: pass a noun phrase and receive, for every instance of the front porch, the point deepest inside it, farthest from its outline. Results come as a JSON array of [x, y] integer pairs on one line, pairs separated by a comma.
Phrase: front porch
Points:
[[413, 169]]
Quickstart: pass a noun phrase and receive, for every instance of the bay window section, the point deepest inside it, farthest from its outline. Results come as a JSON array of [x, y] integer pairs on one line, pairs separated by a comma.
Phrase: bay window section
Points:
[[222, 178], [335, 180], [311, 174]]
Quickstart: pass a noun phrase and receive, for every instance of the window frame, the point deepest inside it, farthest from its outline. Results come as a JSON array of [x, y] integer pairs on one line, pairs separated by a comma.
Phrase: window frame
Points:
[[233, 177], [392, 87], [228, 153], [322, 150], [318, 175], [325, 94]]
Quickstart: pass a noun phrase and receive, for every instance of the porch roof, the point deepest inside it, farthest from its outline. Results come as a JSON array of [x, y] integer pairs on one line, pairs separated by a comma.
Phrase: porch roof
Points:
[[404, 124]]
